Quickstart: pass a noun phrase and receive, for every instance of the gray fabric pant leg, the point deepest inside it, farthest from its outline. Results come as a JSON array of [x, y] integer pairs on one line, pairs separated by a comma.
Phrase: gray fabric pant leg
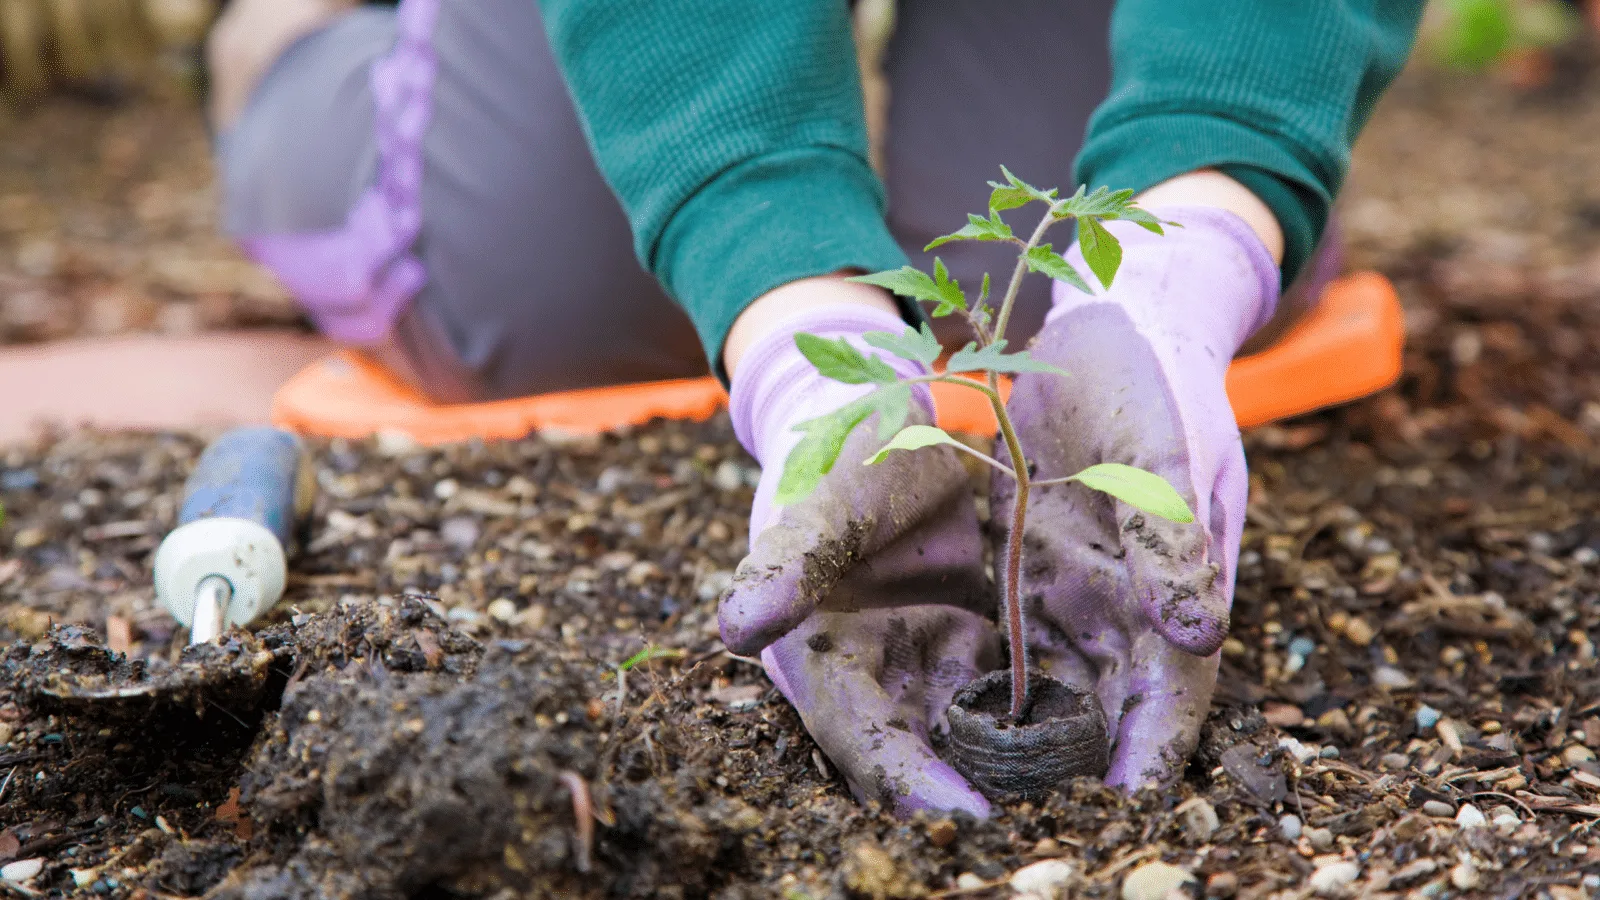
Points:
[[532, 282], [533, 285]]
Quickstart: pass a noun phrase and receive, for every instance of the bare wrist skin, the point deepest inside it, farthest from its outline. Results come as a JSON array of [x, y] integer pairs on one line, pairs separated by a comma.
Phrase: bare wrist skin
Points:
[[1208, 187], [781, 302]]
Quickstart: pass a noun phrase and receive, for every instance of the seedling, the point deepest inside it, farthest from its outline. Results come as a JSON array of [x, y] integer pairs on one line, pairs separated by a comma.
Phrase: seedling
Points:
[[986, 358]]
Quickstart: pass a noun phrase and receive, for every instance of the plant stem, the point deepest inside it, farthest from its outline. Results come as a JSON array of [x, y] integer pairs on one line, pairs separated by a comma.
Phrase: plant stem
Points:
[[1004, 317], [1019, 465]]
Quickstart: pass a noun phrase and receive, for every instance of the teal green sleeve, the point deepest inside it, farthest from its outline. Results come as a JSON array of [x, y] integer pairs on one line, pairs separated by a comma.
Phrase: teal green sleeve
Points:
[[1272, 92], [733, 134]]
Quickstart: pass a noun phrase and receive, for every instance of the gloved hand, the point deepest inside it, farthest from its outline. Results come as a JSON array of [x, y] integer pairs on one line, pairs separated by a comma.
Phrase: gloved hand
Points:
[[867, 600], [1125, 604]]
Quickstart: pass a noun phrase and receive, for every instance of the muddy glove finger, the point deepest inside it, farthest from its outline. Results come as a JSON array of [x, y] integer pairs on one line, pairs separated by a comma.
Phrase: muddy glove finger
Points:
[[901, 532], [872, 686], [1163, 703]]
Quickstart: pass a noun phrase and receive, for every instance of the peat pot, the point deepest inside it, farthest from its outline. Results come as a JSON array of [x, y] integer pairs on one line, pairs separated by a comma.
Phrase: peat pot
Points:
[[1062, 734]]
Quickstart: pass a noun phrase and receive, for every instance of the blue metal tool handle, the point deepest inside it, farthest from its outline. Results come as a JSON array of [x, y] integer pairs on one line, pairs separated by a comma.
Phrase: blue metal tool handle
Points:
[[260, 474]]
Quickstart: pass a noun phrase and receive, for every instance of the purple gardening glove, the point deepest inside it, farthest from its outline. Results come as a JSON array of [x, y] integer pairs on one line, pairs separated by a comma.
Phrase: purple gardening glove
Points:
[[1125, 604], [867, 600]]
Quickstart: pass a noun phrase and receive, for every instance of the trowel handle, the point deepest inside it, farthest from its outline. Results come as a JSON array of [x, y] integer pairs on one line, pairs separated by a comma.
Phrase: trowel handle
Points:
[[261, 475]]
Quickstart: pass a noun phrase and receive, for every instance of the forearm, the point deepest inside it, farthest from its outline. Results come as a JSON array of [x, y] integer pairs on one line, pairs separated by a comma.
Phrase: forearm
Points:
[[1271, 94], [733, 135]]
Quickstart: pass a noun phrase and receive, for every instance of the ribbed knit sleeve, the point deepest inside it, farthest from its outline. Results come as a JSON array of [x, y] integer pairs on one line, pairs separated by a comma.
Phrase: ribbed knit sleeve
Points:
[[733, 133], [1272, 92]]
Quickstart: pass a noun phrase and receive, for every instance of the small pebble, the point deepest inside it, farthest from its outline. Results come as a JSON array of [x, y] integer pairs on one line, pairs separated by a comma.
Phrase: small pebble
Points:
[[1427, 717], [83, 877], [1329, 752], [1321, 839], [1470, 816], [610, 480], [1591, 882], [1200, 820], [1222, 885], [1391, 678], [1290, 826], [1585, 556], [1045, 878], [502, 610], [1504, 820], [967, 881], [1576, 753], [1333, 878], [1394, 761], [1302, 646], [1438, 809], [460, 532], [1359, 632], [1464, 876], [1302, 754], [446, 489], [941, 833], [728, 477], [1283, 715], [713, 585], [22, 869], [1153, 881], [464, 614]]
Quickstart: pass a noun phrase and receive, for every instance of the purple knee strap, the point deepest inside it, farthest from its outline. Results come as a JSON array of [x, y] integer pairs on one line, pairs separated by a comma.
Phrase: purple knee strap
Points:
[[354, 280]]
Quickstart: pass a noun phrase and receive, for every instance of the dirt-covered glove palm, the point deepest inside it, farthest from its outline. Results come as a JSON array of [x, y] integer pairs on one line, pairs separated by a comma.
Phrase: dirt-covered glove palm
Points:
[[867, 599], [1125, 604]]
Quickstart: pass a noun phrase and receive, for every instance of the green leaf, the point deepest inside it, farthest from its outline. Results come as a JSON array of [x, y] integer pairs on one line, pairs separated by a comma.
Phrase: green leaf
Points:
[[919, 346], [993, 359], [1144, 219], [817, 451], [909, 281], [1016, 192], [977, 229], [838, 360], [912, 437], [1102, 203], [1142, 490], [1101, 250], [649, 653], [1048, 262], [824, 439]]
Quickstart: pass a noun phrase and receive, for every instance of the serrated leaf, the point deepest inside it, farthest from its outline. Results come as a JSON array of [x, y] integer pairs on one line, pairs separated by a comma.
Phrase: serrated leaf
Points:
[[838, 360], [817, 451], [912, 437], [913, 344], [909, 281], [1144, 219], [993, 359], [1101, 250], [1102, 203], [1016, 192], [977, 229], [1145, 491], [1044, 260]]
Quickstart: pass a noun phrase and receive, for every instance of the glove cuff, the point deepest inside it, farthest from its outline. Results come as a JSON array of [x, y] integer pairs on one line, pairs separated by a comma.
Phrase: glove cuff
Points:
[[1232, 288], [776, 387]]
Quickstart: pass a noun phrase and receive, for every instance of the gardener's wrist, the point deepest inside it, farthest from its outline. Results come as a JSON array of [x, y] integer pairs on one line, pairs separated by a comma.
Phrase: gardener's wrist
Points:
[[776, 387], [1209, 187], [769, 310]]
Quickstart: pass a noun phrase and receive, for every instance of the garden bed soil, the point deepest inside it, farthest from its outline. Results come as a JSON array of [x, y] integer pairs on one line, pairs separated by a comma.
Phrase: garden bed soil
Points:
[[444, 711]]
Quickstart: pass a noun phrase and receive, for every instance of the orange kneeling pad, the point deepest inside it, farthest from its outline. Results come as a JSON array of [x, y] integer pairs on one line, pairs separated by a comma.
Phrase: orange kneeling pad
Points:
[[1347, 347]]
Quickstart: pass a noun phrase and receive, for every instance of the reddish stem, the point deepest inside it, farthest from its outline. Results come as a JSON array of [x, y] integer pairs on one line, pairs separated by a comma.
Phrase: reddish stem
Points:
[[1013, 599]]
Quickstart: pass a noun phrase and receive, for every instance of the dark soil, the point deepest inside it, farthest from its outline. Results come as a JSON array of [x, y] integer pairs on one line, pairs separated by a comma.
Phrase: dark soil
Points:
[[1430, 551]]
